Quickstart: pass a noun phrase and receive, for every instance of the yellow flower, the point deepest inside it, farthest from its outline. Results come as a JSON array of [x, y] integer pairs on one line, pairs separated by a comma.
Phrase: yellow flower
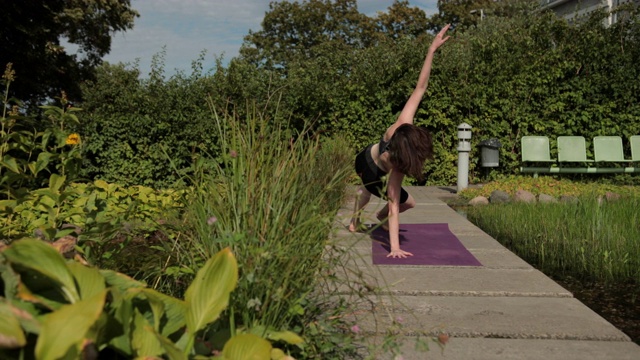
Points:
[[73, 139]]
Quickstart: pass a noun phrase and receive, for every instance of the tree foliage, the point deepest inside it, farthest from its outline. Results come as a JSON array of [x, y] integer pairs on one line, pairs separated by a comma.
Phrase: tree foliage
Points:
[[292, 30], [33, 32], [462, 13], [400, 21]]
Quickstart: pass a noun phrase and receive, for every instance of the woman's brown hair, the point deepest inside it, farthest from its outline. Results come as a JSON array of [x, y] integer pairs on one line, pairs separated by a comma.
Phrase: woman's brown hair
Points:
[[409, 147]]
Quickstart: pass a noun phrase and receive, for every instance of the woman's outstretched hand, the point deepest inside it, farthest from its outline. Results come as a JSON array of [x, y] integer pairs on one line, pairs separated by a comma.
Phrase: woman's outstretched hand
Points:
[[399, 254], [440, 38]]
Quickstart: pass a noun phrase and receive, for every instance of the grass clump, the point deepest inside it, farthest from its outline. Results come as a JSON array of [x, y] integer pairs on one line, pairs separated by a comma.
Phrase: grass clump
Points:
[[272, 197], [591, 239]]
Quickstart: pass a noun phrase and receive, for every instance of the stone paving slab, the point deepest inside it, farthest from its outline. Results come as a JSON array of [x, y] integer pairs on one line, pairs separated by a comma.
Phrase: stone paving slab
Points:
[[504, 309], [515, 349], [471, 281], [495, 317], [457, 281]]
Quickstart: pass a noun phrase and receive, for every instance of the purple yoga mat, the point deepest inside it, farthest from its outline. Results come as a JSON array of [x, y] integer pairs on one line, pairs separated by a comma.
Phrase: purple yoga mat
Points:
[[430, 244]]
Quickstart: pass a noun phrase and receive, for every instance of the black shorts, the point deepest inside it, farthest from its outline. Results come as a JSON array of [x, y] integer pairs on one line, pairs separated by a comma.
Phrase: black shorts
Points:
[[371, 176]]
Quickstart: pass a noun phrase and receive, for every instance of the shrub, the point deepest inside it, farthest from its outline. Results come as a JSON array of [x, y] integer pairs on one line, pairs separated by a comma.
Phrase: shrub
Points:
[[55, 309]]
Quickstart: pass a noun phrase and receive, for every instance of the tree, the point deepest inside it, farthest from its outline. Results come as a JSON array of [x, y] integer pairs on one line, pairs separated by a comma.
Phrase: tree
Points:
[[301, 30], [32, 33], [461, 13], [291, 30], [402, 20]]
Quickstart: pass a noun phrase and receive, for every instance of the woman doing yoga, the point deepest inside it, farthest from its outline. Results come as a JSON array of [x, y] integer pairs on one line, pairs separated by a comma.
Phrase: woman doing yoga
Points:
[[402, 151]]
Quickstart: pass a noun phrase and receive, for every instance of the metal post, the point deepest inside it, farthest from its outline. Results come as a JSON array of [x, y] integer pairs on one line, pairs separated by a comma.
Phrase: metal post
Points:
[[464, 147]]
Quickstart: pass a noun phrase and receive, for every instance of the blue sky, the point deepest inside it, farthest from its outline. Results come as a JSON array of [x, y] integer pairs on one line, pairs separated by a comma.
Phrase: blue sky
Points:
[[187, 27]]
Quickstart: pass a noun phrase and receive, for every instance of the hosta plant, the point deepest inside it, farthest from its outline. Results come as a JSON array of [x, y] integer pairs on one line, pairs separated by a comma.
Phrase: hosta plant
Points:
[[52, 308]]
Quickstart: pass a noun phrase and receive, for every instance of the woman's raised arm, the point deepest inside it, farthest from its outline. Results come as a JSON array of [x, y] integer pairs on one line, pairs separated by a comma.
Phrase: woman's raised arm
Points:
[[411, 106]]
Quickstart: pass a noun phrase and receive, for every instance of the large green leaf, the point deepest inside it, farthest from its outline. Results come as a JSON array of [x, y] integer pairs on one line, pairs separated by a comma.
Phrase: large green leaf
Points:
[[171, 350], [42, 162], [4, 204], [247, 347], [10, 279], [11, 334], [120, 281], [119, 325], [41, 257], [101, 184], [10, 163], [89, 280], [173, 311], [144, 341], [287, 336], [47, 197], [67, 327], [209, 292], [56, 181]]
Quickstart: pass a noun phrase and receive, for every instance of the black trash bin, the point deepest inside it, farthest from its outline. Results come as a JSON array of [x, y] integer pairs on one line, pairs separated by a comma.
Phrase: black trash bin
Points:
[[490, 153]]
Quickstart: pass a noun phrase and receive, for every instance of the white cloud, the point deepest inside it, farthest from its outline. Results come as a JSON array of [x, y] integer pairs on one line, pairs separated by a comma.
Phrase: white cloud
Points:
[[187, 27]]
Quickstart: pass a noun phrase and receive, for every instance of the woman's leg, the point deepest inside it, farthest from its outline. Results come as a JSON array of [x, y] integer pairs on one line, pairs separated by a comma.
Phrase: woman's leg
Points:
[[362, 199], [383, 214]]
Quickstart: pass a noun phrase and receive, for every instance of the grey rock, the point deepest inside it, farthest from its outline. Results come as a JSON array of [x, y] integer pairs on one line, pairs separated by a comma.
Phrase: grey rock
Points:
[[544, 198], [524, 196], [479, 200], [499, 197]]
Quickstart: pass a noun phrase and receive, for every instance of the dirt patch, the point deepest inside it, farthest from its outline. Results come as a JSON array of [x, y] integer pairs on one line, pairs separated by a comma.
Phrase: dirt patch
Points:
[[619, 304]]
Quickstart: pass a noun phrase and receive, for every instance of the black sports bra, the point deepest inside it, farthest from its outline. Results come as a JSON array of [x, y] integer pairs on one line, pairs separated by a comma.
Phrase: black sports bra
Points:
[[383, 146]]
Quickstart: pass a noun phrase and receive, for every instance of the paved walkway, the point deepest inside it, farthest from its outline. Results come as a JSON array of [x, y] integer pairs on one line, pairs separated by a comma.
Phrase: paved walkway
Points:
[[504, 309]]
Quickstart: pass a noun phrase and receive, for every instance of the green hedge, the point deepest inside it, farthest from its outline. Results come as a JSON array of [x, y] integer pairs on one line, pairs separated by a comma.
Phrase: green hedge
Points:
[[529, 73], [141, 131]]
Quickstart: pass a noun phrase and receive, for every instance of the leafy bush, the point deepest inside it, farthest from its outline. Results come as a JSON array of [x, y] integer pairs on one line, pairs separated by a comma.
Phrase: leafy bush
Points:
[[55, 309], [555, 186], [30, 153], [135, 128]]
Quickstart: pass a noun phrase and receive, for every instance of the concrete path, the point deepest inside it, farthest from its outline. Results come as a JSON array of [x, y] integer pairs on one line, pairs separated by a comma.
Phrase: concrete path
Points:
[[504, 309]]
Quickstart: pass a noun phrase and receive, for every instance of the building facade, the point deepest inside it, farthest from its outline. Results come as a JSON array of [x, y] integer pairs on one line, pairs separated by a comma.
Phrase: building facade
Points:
[[574, 9]]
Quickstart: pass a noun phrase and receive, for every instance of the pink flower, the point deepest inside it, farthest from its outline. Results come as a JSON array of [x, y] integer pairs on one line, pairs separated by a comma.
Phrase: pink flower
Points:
[[443, 339], [355, 329], [233, 154], [212, 220]]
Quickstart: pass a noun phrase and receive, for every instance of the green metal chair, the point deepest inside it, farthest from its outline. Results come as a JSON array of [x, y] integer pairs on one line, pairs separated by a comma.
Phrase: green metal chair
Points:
[[635, 148], [572, 149], [608, 149], [535, 149]]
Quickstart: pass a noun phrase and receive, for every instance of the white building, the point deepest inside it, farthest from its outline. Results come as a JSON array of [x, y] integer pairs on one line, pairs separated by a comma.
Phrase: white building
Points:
[[572, 9]]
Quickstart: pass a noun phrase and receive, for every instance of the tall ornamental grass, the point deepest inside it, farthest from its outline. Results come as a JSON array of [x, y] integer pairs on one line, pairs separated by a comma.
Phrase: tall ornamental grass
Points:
[[271, 196], [590, 239]]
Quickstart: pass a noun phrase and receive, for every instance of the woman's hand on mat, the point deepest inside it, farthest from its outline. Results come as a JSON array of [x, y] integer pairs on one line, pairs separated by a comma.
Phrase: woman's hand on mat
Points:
[[399, 253]]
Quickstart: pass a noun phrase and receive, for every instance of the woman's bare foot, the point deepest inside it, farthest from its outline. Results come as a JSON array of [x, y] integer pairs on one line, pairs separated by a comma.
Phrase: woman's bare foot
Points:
[[355, 225], [384, 222]]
